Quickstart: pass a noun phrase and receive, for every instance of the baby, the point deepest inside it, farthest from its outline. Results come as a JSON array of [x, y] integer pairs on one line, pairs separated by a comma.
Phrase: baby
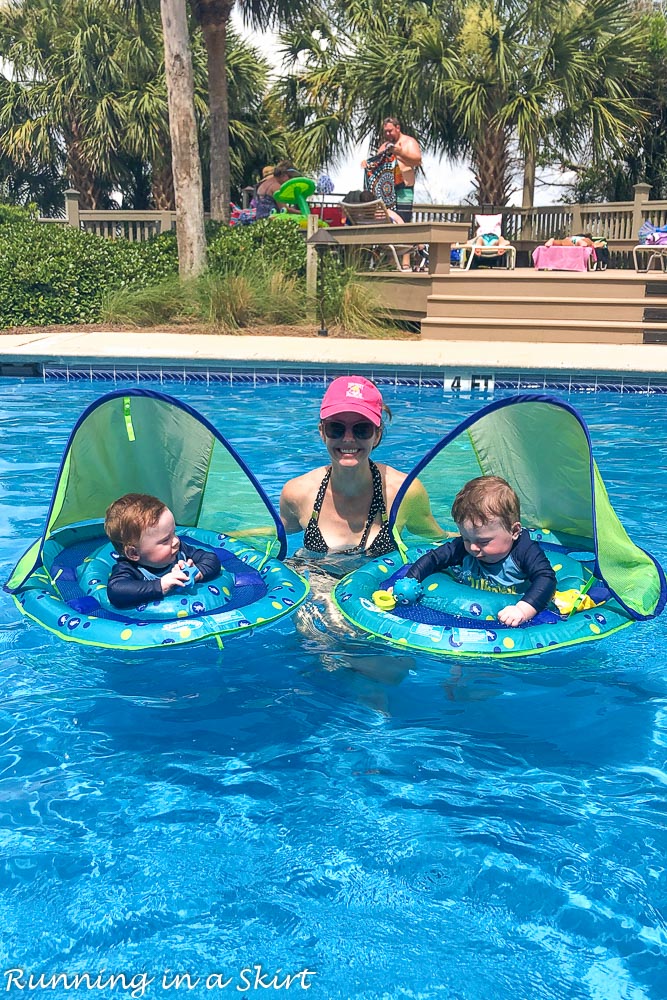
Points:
[[493, 552], [152, 558]]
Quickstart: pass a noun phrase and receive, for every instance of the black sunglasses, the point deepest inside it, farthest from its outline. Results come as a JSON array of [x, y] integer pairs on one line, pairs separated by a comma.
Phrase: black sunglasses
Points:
[[363, 429]]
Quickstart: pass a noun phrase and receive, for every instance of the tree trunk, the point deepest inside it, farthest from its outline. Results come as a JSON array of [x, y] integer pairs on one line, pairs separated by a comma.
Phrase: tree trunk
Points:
[[79, 173], [528, 195], [215, 39], [491, 167], [162, 186], [528, 180], [186, 162], [213, 17]]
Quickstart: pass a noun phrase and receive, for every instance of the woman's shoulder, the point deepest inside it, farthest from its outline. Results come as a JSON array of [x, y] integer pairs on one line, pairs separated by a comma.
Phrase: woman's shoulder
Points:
[[391, 478], [297, 498], [303, 485], [268, 186]]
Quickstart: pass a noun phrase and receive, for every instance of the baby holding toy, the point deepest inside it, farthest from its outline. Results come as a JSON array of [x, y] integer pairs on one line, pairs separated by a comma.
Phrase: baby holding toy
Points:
[[153, 560], [494, 552]]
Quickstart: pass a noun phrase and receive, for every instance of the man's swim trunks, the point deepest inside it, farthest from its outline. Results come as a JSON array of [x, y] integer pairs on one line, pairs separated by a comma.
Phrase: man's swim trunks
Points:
[[405, 196]]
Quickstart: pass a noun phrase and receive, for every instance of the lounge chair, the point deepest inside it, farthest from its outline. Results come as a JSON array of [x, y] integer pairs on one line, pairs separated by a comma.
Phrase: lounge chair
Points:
[[656, 253], [580, 252], [373, 213], [486, 225]]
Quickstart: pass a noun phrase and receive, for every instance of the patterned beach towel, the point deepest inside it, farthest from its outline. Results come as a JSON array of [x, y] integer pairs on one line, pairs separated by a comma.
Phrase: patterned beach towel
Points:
[[379, 177]]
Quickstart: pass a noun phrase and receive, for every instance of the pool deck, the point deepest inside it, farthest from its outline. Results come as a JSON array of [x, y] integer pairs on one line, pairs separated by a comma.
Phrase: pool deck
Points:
[[154, 348]]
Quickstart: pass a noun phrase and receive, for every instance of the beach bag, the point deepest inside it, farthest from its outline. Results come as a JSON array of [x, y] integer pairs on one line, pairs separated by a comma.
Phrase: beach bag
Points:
[[658, 237], [646, 229]]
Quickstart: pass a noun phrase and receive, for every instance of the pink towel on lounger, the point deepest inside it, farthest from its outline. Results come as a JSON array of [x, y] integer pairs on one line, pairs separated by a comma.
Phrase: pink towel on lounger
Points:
[[563, 258]]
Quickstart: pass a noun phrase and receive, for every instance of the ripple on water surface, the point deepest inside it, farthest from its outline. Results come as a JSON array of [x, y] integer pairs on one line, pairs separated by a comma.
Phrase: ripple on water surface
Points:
[[404, 826]]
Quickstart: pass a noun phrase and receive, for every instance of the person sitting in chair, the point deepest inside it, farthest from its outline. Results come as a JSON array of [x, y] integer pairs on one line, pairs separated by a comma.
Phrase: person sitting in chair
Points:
[[265, 195], [488, 240], [362, 198], [365, 197]]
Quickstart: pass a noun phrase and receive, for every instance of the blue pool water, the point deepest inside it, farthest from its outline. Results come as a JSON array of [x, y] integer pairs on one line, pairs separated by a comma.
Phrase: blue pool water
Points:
[[400, 826]]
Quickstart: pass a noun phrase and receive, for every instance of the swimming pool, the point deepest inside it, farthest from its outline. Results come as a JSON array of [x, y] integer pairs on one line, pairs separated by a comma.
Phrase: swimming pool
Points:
[[407, 828]]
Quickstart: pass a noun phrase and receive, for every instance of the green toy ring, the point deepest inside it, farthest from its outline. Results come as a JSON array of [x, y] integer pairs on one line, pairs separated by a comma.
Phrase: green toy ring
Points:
[[295, 191]]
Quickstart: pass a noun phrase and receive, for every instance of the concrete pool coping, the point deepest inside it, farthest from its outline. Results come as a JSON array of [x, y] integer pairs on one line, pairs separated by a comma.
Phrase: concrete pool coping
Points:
[[155, 348]]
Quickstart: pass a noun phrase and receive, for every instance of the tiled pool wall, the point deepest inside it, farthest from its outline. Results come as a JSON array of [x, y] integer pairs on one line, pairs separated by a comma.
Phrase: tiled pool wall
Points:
[[449, 380]]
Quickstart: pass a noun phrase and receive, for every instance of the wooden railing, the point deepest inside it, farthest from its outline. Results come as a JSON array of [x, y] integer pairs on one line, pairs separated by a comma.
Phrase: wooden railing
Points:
[[619, 222]]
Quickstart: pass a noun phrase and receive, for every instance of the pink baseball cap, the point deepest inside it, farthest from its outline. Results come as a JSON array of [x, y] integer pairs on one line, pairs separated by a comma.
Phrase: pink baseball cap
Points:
[[352, 394]]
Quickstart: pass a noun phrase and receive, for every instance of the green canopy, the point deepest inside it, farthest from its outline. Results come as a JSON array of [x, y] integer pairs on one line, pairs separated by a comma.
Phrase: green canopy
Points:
[[140, 441], [542, 447]]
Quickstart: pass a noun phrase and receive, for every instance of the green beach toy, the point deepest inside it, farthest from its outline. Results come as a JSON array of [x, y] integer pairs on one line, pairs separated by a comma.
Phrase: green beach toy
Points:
[[295, 191], [384, 600]]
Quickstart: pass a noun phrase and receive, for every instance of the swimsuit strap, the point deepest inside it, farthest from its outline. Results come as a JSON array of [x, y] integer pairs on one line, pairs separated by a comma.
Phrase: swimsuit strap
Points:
[[313, 539], [319, 499], [377, 505], [312, 536]]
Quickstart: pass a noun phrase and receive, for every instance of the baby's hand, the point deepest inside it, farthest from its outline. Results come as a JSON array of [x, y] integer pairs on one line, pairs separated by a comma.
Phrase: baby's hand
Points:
[[174, 578], [516, 614]]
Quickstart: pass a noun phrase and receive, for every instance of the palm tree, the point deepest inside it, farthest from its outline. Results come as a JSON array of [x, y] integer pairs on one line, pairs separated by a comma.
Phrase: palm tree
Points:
[[488, 79], [184, 139], [56, 59], [213, 18], [75, 62], [644, 158]]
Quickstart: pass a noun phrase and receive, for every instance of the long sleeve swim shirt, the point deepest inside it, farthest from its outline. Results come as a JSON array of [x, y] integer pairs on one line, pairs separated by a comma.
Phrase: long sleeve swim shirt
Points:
[[525, 568], [131, 584]]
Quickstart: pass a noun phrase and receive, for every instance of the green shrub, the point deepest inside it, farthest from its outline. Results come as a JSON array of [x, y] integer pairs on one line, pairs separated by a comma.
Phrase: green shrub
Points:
[[147, 306], [226, 301], [284, 299], [281, 245], [350, 303], [51, 273], [16, 214]]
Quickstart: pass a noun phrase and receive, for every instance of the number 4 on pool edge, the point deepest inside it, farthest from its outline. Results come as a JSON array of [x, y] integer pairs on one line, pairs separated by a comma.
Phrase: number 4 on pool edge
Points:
[[464, 383]]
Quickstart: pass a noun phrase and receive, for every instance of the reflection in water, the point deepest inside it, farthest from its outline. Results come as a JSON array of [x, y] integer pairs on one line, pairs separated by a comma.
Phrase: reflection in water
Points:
[[338, 643], [487, 831]]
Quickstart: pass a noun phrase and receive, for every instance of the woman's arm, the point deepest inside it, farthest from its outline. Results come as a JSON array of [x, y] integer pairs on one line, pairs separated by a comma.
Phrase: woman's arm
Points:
[[290, 505], [415, 513]]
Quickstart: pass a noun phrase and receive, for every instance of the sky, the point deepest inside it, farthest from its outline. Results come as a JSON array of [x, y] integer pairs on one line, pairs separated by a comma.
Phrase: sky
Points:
[[442, 182]]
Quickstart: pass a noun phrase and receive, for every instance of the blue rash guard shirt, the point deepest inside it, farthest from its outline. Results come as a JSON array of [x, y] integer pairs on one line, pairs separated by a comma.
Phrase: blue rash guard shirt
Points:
[[524, 568], [131, 584]]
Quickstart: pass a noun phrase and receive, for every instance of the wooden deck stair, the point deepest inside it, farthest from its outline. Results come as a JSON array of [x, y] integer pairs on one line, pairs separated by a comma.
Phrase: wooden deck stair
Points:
[[614, 306]]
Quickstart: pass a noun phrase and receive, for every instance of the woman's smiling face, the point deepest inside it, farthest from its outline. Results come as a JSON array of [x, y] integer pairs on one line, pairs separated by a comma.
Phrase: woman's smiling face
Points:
[[355, 444]]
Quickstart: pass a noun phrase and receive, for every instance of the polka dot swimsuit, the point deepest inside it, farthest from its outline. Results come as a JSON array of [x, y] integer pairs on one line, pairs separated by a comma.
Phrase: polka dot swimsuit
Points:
[[382, 543]]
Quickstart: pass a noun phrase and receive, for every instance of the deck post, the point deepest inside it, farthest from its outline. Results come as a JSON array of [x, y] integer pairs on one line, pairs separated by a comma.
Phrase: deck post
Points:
[[72, 208], [311, 258], [166, 221], [641, 197]]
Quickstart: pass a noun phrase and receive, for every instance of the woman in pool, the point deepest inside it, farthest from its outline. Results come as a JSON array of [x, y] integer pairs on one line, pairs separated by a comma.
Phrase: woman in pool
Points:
[[344, 507]]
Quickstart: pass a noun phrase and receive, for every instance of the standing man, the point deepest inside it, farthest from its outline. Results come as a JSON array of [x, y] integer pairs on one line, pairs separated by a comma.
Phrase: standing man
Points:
[[408, 158]]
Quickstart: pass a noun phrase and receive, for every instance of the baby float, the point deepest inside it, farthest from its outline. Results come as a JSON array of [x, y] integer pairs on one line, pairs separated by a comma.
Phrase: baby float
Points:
[[140, 441], [542, 447]]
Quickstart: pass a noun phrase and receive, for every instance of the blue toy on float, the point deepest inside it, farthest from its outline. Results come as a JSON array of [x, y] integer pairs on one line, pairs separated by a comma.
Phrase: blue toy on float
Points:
[[541, 446], [139, 442]]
